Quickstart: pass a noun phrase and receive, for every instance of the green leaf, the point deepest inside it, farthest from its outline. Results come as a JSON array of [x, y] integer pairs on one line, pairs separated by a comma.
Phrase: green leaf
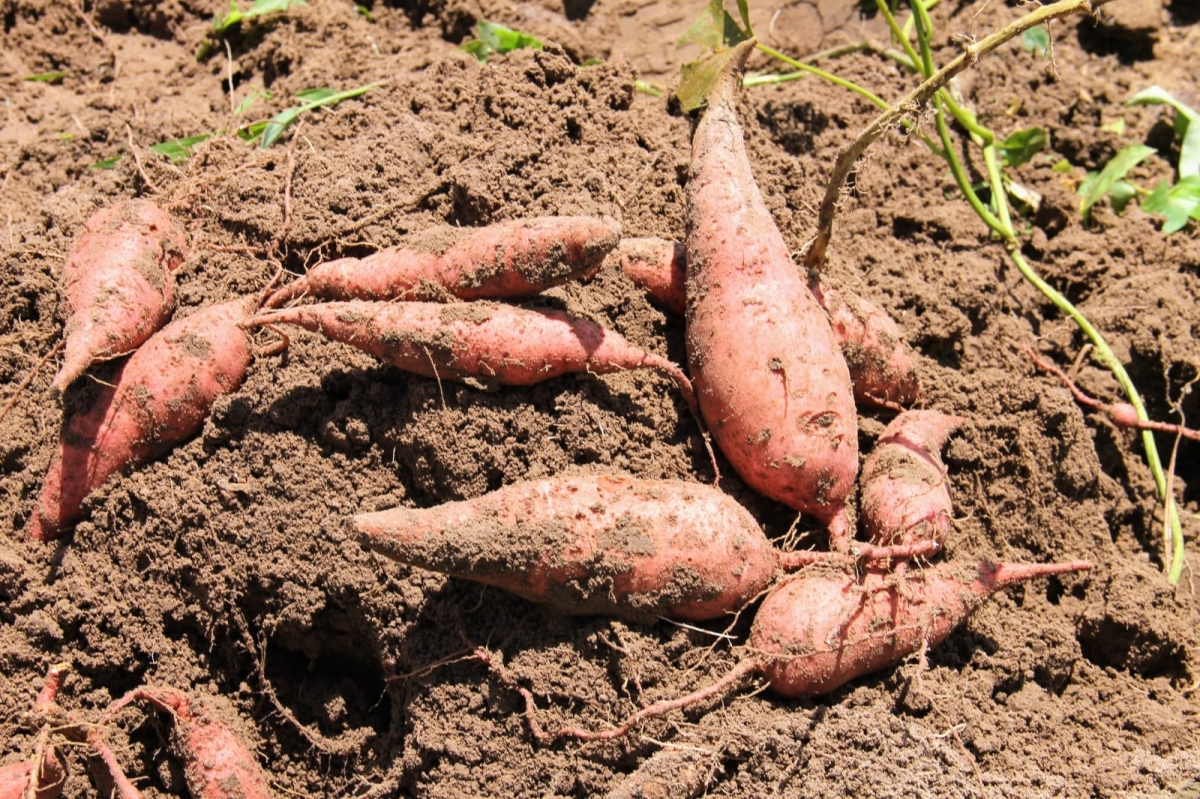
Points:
[[699, 77], [1117, 126], [1177, 204], [364, 12], [495, 38], [252, 131], [1036, 40], [258, 9], [278, 125], [1062, 166], [275, 127], [108, 163], [48, 77], [253, 97], [715, 29], [1022, 146], [1120, 194], [1187, 125], [179, 149], [1099, 184]]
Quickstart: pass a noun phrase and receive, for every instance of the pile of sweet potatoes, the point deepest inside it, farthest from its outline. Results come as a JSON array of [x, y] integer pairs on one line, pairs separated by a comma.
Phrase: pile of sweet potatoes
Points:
[[778, 364]]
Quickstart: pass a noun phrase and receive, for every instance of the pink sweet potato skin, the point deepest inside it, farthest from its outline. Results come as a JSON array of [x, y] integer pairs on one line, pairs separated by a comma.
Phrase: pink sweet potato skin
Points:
[[476, 342], [159, 398], [905, 494], [117, 284], [656, 266], [770, 379], [15, 779], [591, 544], [217, 765], [824, 628], [512, 260], [882, 367]]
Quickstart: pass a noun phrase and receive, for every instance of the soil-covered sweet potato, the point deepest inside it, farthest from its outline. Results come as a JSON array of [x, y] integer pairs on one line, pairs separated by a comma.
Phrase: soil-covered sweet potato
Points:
[[770, 379], [513, 260], [117, 285], [158, 398]]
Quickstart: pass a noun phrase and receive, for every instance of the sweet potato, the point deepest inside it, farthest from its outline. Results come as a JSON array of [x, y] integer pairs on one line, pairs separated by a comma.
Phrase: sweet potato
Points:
[[905, 496], [117, 284], [159, 398], [822, 629], [477, 343], [513, 260], [591, 544], [770, 380], [216, 764], [46, 779], [880, 361], [656, 266], [600, 544]]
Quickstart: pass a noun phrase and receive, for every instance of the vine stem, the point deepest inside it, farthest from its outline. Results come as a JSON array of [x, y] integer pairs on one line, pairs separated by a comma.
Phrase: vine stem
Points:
[[815, 254]]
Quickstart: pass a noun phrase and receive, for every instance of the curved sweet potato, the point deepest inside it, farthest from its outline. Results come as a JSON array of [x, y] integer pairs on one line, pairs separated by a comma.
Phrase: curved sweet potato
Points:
[[770, 380], [591, 544], [117, 284], [823, 628], [476, 342], [513, 260], [216, 764], [905, 495], [159, 398], [880, 361]]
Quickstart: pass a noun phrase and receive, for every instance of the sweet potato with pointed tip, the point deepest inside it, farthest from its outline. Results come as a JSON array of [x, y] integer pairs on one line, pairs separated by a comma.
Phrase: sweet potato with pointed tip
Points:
[[476, 342], [822, 629], [158, 398], [591, 544], [216, 764], [512, 260], [770, 379], [905, 494], [117, 284]]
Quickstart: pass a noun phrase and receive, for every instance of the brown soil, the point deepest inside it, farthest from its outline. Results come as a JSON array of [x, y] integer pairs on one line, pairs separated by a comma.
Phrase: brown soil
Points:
[[224, 568]]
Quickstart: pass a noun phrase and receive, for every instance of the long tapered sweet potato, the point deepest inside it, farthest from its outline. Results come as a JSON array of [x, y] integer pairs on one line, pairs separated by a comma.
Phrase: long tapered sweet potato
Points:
[[591, 544], [880, 361], [216, 764], [824, 627], [817, 632], [117, 284], [476, 342], [159, 398], [513, 260], [905, 495], [770, 380]]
